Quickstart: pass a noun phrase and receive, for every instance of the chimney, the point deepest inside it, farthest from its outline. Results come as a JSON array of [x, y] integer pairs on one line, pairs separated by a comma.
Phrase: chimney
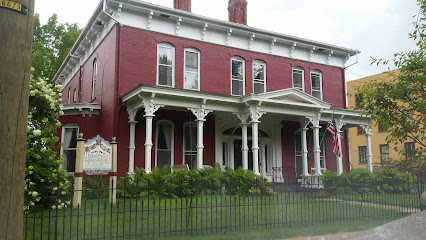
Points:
[[184, 5], [237, 10]]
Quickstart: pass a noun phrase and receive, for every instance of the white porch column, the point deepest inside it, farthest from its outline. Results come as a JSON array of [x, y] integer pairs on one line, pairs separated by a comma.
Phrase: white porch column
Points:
[[132, 122], [339, 162], [317, 150], [367, 129], [150, 109], [255, 146], [255, 115], [305, 172], [200, 113], [244, 117]]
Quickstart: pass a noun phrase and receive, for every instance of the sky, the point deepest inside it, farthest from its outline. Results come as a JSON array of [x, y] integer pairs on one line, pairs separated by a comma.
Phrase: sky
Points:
[[377, 28]]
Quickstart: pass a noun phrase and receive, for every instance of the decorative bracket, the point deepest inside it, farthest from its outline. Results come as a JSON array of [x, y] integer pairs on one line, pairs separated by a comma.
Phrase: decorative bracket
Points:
[[340, 123], [292, 49], [251, 40], [201, 112], [120, 6], [203, 33], [255, 113], [329, 56], [315, 120], [347, 58], [311, 52], [178, 22], [243, 117], [367, 129], [132, 114], [148, 104], [151, 13], [272, 45], [228, 36]]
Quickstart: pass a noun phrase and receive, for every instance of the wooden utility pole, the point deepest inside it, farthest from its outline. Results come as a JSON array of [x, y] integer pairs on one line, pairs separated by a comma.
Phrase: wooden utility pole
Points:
[[16, 36]]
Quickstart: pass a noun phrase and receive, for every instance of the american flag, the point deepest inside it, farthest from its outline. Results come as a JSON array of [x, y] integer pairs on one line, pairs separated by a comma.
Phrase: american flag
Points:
[[332, 129]]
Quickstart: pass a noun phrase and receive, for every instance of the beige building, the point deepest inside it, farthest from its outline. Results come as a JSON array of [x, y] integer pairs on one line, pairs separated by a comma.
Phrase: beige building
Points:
[[381, 150]]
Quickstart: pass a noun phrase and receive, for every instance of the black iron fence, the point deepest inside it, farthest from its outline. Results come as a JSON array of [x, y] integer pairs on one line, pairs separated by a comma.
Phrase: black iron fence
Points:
[[149, 210]]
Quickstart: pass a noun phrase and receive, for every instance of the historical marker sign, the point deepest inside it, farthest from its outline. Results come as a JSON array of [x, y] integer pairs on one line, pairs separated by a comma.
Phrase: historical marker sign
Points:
[[97, 156]]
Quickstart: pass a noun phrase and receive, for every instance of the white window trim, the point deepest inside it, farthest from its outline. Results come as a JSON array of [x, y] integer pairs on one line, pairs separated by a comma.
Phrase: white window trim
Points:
[[193, 50], [167, 45], [94, 77], [264, 73], [244, 74], [69, 125], [303, 77], [320, 77], [69, 95], [183, 141], [172, 141]]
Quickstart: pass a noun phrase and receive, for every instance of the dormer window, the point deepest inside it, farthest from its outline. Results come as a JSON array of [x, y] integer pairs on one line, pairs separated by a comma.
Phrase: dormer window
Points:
[[316, 84], [259, 77], [166, 65], [298, 79], [237, 76], [192, 69]]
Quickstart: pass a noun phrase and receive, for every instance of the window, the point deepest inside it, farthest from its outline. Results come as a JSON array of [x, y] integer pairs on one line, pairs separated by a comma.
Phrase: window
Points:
[[192, 69], [384, 152], [237, 76], [94, 76], [316, 84], [166, 65], [298, 80], [299, 154], [69, 95], [358, 100], [362, 154], [410, 150], [259, 77], [69, 148], [190, 145], [75, 95], [164, 156]]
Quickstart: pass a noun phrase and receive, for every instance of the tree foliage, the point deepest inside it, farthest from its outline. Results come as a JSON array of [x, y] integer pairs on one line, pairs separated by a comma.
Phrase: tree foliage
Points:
[[399, 105], [51, 44]]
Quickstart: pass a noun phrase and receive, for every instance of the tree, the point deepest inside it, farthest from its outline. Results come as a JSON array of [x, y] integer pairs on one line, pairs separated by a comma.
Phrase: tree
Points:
[[46, 184], [399, 105], [52, 42]]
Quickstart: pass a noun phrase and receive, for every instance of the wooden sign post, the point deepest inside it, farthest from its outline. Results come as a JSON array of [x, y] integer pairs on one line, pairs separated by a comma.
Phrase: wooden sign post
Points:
[[113, 174], [78, 174]]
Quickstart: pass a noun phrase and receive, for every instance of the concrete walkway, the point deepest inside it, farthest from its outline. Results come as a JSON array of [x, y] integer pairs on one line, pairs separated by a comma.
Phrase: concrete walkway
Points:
[[336, 236]]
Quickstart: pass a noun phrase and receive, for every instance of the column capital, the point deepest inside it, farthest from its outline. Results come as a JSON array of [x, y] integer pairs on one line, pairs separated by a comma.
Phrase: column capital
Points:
[[367, 129], [243, 117], [149, 105], [132, 114], [255, 113], [315, 119]]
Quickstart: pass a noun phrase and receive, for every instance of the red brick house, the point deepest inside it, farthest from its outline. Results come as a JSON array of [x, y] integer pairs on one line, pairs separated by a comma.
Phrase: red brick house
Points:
[[178, 88]]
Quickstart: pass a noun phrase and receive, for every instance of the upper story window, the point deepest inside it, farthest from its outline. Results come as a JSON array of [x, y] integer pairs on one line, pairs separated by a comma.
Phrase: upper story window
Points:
[[259, 77], [166, 65], [192, 69], [358, 100], [75, 95], [237, 76], [298, 80], [69, 95], [316, 84], [94, 77]]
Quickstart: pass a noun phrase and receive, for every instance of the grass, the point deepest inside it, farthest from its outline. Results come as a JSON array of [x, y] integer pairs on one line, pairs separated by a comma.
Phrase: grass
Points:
[[203, 215]]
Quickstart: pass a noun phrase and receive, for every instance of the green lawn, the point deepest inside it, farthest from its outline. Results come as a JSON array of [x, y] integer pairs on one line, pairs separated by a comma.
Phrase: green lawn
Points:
[[203, 215]]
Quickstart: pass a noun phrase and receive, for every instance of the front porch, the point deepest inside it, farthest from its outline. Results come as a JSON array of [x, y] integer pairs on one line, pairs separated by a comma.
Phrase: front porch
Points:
[[259, 132]]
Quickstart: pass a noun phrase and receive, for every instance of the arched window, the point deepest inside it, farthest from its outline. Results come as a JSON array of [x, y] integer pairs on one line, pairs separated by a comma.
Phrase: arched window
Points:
[[69, 146], [298, 78], [259, 76], [164, 144], [192, 69], [237, 76], [69, 95], [165, 65], [316, 84], [94, 77]]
